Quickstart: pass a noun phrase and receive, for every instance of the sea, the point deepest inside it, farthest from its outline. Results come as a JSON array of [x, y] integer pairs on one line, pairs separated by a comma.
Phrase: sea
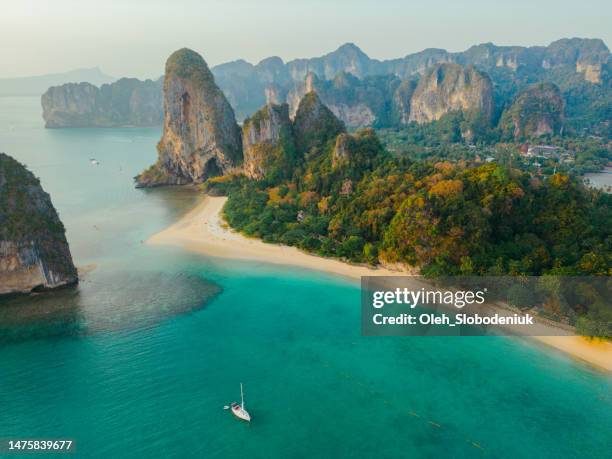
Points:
[[601, 180], [141, 358]]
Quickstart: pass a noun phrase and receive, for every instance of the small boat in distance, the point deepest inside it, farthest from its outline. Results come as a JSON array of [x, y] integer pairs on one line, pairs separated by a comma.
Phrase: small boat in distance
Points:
[[94, 161], [239, 410]]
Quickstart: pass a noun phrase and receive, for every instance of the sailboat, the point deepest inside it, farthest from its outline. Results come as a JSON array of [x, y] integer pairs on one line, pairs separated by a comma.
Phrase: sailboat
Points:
[[239, 410]]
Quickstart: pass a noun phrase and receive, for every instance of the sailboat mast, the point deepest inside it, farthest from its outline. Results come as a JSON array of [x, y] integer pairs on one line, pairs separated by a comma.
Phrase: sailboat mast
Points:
[[241, 396]]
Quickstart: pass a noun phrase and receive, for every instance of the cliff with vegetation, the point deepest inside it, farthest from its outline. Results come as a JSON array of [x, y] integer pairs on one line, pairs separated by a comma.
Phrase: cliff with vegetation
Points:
[[449, 88], [315, 125], [126, 102], [268, 144], [537, 111], [201, 138], [34, 253], [356, 102]]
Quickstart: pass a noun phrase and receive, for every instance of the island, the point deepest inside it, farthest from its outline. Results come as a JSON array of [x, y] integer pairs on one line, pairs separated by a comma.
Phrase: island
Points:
[[34, 252]]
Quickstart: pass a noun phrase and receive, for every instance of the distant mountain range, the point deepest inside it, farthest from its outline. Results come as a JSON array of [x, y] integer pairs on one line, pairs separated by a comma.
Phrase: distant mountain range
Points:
[[363, 91], [37, 85], [249, 86]]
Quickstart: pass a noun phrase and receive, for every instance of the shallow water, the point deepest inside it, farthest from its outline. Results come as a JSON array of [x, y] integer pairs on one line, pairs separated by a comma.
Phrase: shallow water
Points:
[[601, 180], [139, 360]]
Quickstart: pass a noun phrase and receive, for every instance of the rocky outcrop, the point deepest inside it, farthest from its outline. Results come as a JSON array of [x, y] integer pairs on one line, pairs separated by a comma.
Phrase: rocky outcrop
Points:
[[347, 58], [576, 51], [487, 56], [591, 72], [537, 111], [246, 85], [299, 89], [356, 151], [451, 87], [314, 124], [201, 138], [34, 253], [267, 143], [273, 94], [401, 102], [341, 154], [70, 105], [415, 64], [356, 102], [126, 102], [357, 115]]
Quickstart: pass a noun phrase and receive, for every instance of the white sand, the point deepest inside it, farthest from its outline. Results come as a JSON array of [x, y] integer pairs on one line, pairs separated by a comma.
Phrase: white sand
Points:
[[203, 230]]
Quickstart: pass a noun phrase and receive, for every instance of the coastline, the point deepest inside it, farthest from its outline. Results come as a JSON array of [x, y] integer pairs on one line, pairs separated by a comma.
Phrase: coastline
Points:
[[202, 230]]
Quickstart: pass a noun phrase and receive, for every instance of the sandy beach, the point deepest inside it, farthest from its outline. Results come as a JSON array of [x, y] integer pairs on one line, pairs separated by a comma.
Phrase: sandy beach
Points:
[[203, 230]]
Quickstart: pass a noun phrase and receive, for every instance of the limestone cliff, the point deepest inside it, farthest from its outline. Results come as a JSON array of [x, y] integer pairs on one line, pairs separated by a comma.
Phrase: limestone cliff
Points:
[[341, 154], [585, 56], [356, 152], [347, 58], [70, 105], [451, 87], [356, 102], [201, 138], [34, 253], [126, 102], [591, 72], [314, 124], [299, 90], [537, 111], [400, 104], [267, 143]]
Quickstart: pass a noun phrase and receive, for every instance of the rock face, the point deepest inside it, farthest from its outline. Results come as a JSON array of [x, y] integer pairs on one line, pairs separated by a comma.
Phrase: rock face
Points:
[[34, 253], [126, 102], [537, 111], [451, 87], [586, 56], [342, 152], [354, 116], [201, 138], [401, 102], [267, 143], [592, 72], [356, 151], [314, 124], [310, 83], [356, 102], [347, 58]]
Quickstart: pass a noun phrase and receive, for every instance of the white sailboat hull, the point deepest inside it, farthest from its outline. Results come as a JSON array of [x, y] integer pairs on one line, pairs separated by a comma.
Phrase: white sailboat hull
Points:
[[241, 413]]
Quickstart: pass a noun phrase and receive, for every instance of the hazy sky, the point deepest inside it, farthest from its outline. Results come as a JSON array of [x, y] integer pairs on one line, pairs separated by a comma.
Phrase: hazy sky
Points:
[[134, 37]]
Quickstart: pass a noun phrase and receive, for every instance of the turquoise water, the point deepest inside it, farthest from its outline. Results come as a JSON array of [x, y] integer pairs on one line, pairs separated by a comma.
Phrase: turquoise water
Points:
[[140, 359]]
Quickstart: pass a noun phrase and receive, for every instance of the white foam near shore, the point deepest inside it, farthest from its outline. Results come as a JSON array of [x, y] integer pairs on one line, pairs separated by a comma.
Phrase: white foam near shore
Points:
[[203, 230]]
